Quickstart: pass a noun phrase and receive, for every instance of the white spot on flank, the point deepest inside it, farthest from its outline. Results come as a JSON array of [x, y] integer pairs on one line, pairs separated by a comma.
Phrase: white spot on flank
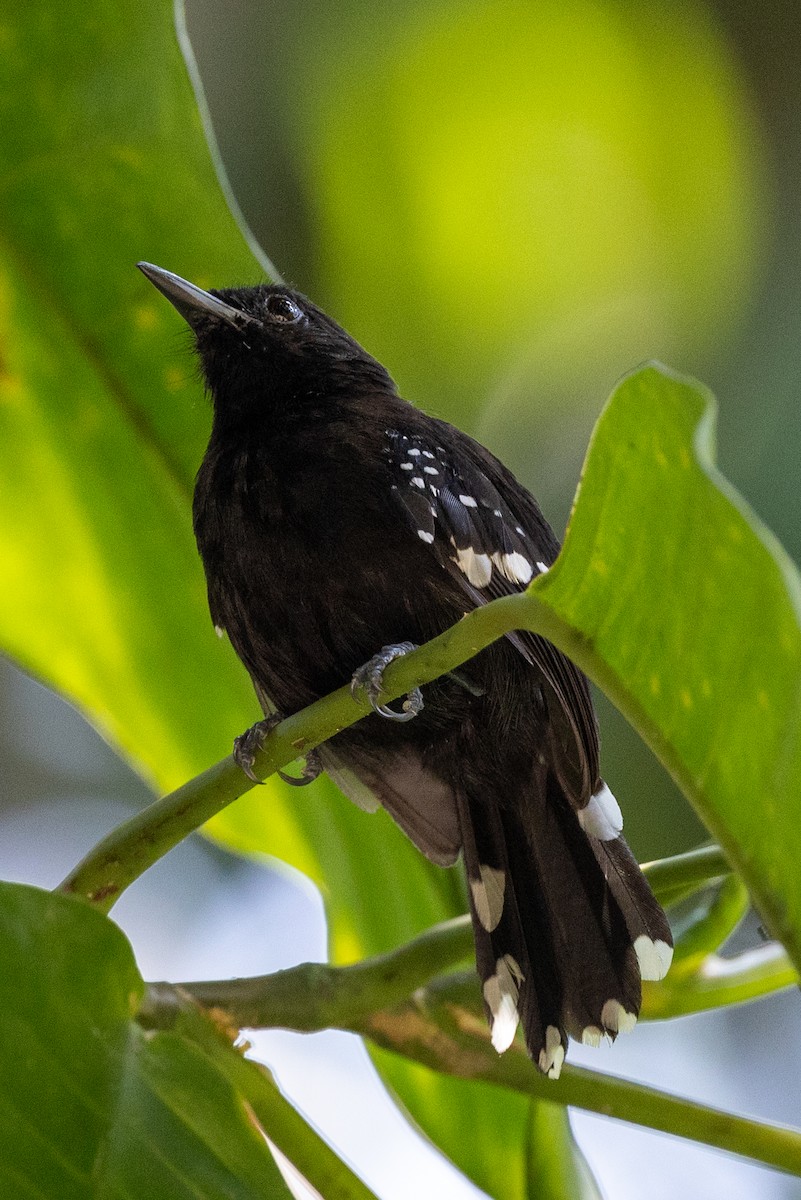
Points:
[[501, 991], [615, 1018], [488, 896], [542, 567], [468, 501], [497, 512], [425, 536], [553, 1053], [519, 529], [654, 957], [418, 481], [431, 470], [218, 629], [407, 466], [591, 1035], [477, 567], [514, 567], [414, 452], [602, 817]]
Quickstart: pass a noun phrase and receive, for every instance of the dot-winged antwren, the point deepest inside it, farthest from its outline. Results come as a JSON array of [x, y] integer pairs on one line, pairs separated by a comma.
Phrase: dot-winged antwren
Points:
[[333, 519]]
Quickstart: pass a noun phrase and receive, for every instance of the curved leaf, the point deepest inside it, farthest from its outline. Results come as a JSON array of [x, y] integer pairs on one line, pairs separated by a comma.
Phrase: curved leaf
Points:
[[685, 609], [95, 1106]]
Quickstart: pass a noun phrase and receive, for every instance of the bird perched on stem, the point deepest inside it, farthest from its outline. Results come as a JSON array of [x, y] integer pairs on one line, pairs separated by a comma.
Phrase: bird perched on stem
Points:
[[338, 526]]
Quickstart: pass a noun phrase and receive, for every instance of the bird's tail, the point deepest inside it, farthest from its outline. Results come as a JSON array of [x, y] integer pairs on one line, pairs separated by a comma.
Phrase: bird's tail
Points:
[[565, 925]]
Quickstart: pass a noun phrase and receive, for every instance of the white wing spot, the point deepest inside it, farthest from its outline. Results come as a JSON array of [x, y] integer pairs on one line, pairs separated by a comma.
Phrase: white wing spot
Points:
[[552, 1054], [602, 817], [431, 470], [477, 567], [488, 892], [427, 454], [414, 452], [407, 466], [514, 566], [542, 567], [615, 1018], [501, 992], [469, 501], [219, 630], [654, 957], [425, 536], [418, 482]]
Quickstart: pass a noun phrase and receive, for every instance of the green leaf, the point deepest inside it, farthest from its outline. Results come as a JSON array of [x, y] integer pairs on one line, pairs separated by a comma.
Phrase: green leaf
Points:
[[703, 925], [557, 1170], [99, 1107], [684, 608], [100, 418], [95, 1106]]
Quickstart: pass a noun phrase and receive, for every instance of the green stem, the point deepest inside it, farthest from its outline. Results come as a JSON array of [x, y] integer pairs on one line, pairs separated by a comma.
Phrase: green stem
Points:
[[315, 996], [129, 850], [286, 1129], [441, 1028], [672, 879], [133, 847], [720, 981]]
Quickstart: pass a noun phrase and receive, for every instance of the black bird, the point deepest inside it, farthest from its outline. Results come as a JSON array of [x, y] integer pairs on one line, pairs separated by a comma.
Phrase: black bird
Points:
[[334, 519]]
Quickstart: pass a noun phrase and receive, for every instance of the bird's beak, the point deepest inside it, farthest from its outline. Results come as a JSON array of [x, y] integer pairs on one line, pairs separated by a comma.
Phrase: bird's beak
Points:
[[192, 302]]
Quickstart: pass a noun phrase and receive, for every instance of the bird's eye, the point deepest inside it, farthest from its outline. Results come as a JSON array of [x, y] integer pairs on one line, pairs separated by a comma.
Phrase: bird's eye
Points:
[[282, 308]]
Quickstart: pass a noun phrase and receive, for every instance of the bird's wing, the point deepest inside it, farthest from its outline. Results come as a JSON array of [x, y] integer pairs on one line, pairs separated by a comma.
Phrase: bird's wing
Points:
[[487, 532]]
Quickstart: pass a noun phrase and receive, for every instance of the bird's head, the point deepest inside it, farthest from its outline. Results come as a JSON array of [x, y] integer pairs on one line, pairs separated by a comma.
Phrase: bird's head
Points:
[[267, 346]]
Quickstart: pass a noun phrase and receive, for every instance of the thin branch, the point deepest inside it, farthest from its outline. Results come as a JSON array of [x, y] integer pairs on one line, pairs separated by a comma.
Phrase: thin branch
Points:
[[315, 996], [437, 1029], [441, 1027], [129, 850], [672, 879]]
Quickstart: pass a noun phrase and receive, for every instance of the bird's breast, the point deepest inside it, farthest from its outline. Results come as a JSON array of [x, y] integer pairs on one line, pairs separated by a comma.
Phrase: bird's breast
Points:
[[310, 572]]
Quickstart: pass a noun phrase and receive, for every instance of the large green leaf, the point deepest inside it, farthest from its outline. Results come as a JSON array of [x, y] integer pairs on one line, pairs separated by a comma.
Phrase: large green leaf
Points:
[[90, 1105], [103, 163], [688, 613]]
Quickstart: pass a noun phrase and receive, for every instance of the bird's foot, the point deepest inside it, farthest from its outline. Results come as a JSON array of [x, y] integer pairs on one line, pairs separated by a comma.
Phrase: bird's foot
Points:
[[248, 744], [369, 679]]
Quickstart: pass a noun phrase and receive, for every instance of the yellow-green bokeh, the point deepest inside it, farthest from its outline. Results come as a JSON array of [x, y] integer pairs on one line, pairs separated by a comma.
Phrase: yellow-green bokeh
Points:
[[511, 192]]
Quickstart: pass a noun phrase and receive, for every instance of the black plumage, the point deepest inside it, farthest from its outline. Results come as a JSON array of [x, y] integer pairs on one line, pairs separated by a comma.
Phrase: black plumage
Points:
[[334, 519]]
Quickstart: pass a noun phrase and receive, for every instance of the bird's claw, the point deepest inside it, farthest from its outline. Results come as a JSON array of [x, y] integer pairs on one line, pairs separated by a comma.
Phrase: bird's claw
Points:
[[312, 767], [369, 679], [249, 743]]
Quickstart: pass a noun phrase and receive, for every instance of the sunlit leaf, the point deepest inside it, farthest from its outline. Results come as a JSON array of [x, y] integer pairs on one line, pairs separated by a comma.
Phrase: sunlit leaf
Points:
[[688, 613]]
